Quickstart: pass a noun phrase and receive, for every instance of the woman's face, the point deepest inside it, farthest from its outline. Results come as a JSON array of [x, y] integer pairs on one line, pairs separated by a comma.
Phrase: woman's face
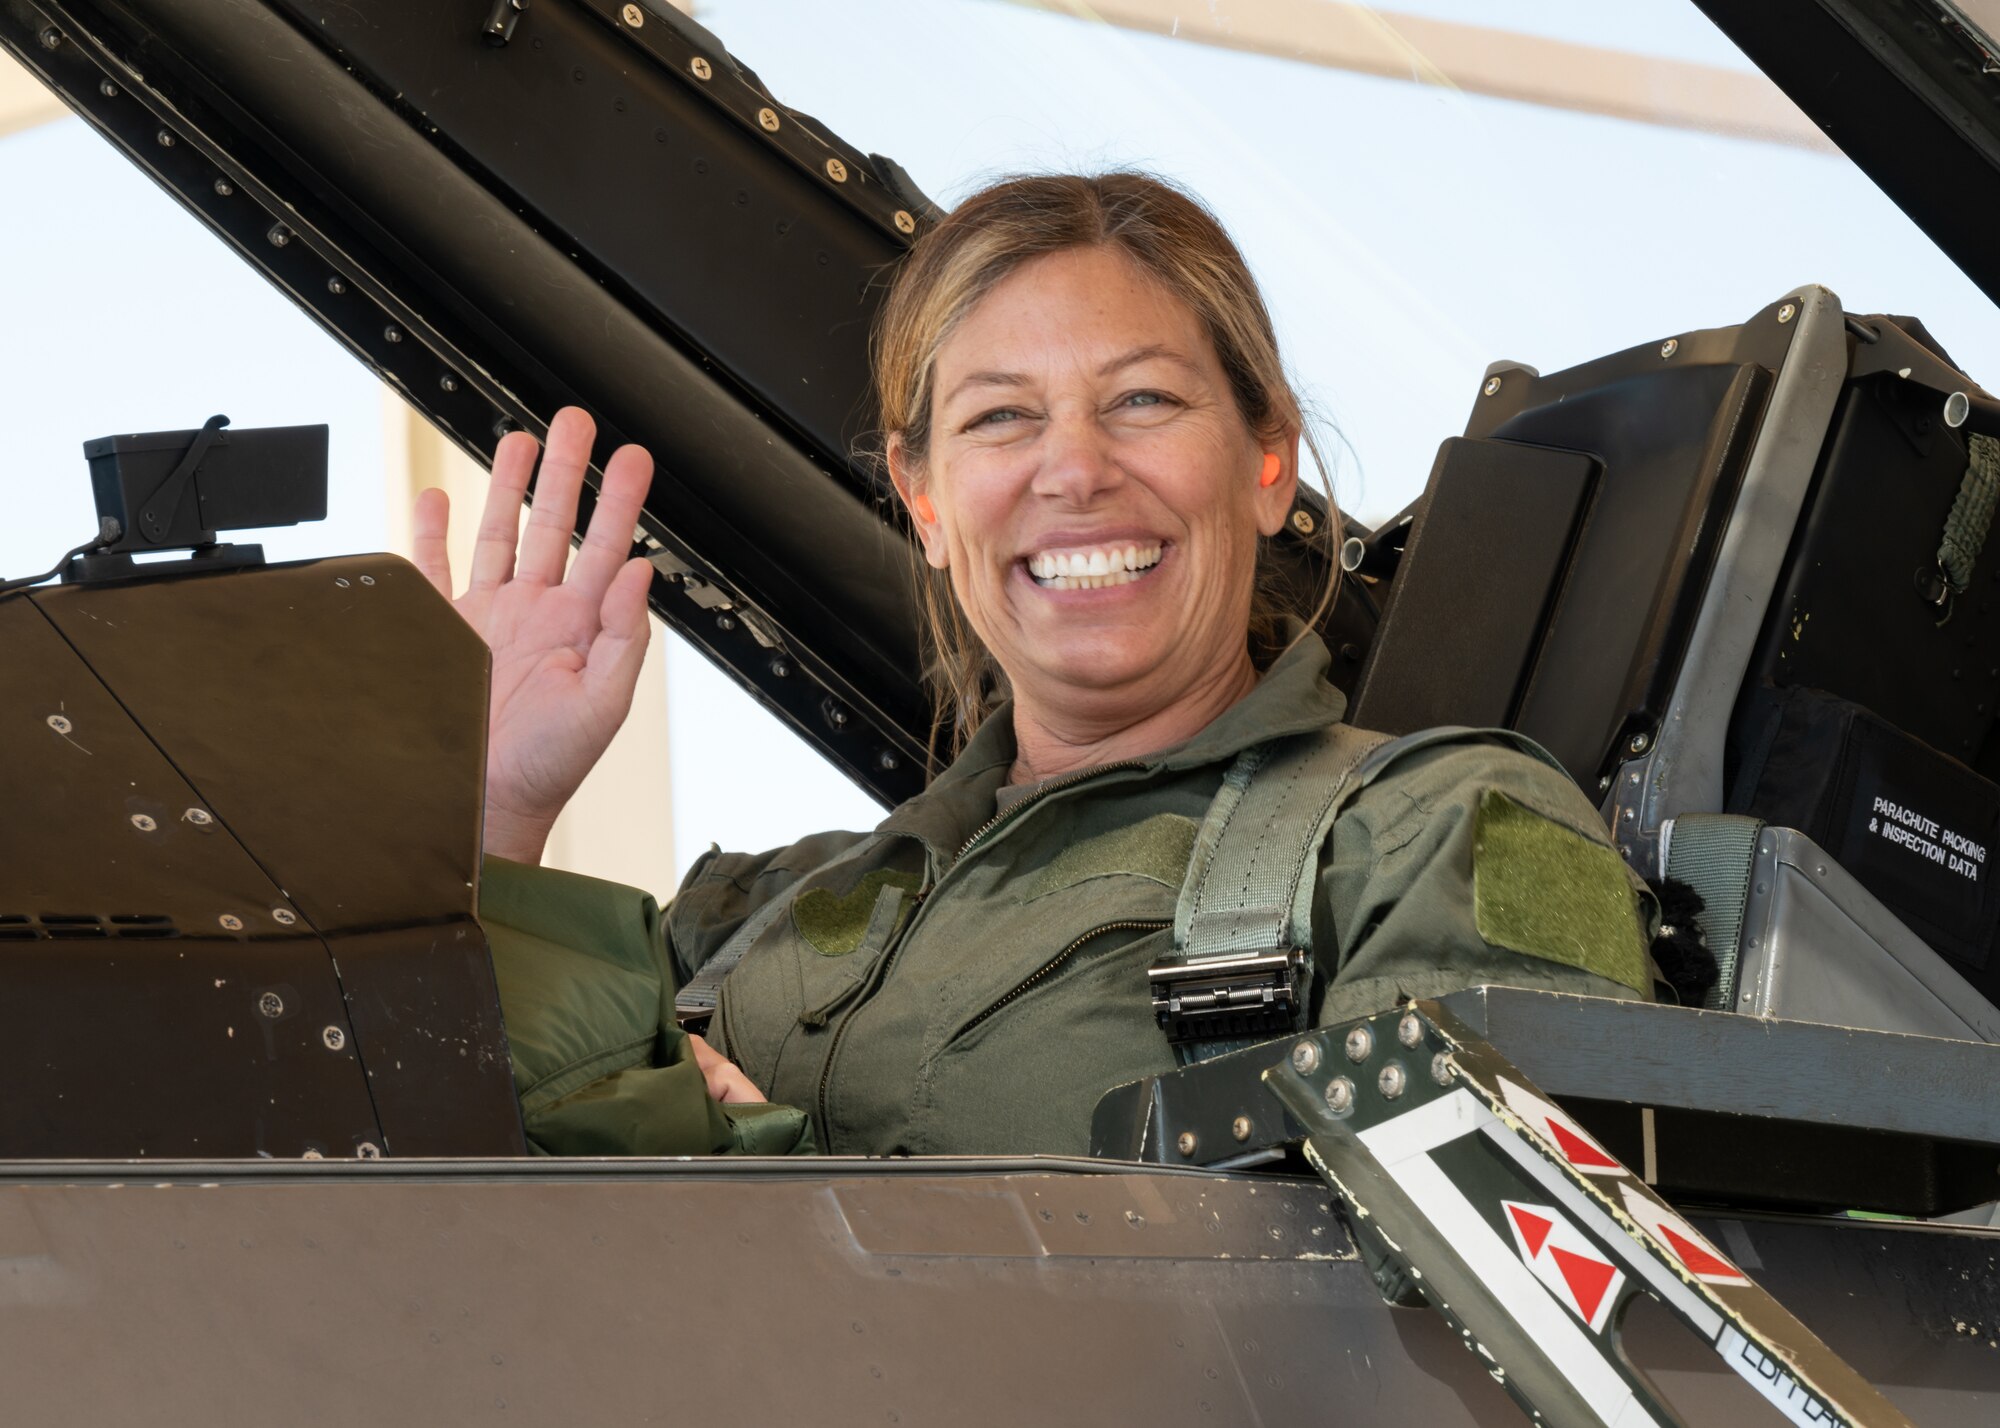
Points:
[[1096, 491]]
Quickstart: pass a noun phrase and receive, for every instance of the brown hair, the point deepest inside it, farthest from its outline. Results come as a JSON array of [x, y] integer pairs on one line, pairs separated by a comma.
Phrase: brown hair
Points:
[[1176, 241]]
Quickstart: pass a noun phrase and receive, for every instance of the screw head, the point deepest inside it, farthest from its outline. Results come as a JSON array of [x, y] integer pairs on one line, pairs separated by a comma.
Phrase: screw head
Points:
[[271, 1004], [767, 120], [1640, 743], [1305, 1057], [1360, 1044], [448, 383], [334, 1038], [1788, 312], [336, 287], [284, 916], [634, 16], [702, 68], [107, 89], [1185, 1143], [1303, 522], [1392, 1081], [165, 138], [1441, 1068], [1670, 347], [836, 170], [230, 922], [199, 817], [1410, 1030], [1340, 1095], [392, 333], [368, 1150], [887, 762], [1240, 1127], [312, 1155], [279, 236], [52, 38], [144, 822], [905, 223], [60, 723], [1492, 387]]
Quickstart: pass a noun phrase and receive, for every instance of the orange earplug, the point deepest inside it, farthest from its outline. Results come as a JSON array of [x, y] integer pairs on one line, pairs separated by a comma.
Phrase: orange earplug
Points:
[[921, 504], [1272, 466]]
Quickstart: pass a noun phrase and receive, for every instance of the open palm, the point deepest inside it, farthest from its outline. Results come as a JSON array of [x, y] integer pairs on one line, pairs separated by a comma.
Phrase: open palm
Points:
[[566, 649]]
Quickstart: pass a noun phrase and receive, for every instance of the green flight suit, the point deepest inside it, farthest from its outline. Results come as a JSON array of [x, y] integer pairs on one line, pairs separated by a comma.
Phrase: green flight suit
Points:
[[965, 982]]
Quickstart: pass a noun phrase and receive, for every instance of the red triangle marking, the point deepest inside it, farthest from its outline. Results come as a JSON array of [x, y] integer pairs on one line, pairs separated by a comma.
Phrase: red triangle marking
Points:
[[1587, 1279], [1582, 1154], [1697, 1259], [1534, 1228]]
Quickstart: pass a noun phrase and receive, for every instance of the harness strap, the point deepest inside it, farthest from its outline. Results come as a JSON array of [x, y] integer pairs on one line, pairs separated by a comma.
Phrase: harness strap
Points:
[[1715, 854], [695, 1002], [1240, 968]]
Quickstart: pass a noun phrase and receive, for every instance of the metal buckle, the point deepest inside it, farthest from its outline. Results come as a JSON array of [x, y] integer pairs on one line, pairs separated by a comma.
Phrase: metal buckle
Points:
[[1235, 994]]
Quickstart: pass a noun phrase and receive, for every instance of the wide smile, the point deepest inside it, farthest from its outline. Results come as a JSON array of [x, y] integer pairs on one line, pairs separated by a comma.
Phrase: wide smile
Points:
[[1094, 567]]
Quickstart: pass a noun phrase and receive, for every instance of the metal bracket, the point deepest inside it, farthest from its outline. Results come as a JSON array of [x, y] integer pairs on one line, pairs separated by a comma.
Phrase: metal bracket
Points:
[[1238, 994]]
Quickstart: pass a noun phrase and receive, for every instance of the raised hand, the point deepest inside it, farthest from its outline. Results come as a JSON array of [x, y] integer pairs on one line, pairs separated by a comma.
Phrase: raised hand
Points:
[[566, 651]]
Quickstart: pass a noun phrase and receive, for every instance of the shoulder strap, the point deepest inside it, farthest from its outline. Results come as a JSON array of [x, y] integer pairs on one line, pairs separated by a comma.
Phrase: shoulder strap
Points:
[[1716, 855], [695, 1002]]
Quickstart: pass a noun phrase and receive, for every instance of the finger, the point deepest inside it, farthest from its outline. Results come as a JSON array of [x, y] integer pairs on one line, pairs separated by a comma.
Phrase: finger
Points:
[[545, 544], [733, 1088], [628, 476], [428, 526], [618, 653], [500, 522]]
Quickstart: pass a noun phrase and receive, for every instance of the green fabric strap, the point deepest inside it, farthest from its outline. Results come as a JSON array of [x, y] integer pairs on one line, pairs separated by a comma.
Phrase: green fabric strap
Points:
[[1715, 854], [1972, 513]]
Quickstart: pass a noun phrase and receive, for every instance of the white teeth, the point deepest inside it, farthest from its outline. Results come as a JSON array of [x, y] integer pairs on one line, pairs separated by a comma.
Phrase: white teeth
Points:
[[1092, 569]]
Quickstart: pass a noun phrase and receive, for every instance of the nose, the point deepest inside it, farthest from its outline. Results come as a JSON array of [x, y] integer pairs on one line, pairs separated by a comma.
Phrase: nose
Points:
[[1078, 462]]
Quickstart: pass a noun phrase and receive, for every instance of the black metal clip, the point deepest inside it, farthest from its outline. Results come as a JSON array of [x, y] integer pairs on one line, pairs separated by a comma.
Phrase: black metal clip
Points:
[[1233, 995], [501, 20], [156, 517]]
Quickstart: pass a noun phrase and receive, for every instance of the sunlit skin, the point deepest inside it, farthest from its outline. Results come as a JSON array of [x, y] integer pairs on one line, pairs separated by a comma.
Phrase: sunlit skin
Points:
[[1081, 405]]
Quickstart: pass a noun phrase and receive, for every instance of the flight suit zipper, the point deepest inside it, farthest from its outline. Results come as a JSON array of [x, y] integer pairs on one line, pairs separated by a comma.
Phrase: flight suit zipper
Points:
[[1055, 964], [881, 972]]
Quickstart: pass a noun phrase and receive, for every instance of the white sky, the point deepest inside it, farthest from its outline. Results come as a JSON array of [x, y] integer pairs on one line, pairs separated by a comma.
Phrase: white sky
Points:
[[1406, 237]]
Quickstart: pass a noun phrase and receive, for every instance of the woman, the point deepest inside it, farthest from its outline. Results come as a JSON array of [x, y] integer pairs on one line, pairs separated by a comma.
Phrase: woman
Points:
[[1089, 425]]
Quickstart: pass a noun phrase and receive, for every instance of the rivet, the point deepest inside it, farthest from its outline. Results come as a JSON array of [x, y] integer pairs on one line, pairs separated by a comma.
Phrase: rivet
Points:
[[334, 1038], [1787, 312], [1410, 1030], [634, 16], [1670, 347], [1185, 1142], [60, 723], [836, 170], [284, 916], [1441, 1068], [1640, 743], [165, 138], [107, 89], [1305, 1057], [1303, 522], [279, 236], [1360, 1044], [448, 383], [199, 817], [1240, 1127], [144, 822], [768, 118], [905, 223], [1492, 387], [701, 67], [271, 1004], [392, 333], [1340, 1095], [336, 286], [1391, 1081], [230, 922], [368, 1150]]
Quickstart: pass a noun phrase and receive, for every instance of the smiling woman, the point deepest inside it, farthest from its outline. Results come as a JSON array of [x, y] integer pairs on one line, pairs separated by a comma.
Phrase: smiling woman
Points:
[[1087, 418]]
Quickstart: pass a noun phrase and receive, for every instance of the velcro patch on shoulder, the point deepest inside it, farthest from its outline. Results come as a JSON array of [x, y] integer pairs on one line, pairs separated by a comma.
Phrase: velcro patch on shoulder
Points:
[[1545, 890], [835, 923], [1157, 847]]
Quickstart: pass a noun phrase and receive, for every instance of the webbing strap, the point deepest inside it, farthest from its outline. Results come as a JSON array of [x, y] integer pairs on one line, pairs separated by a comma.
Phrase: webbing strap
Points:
[[1972, 513], [697, 999], [1250, 881], [1715, 854]]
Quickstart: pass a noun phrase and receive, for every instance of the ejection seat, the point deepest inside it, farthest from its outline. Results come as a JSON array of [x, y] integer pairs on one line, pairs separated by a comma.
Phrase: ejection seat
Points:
[[1729, 579]]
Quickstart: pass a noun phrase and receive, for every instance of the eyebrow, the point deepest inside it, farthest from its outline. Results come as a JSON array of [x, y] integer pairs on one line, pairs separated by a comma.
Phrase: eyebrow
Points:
[[1157, 351]]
